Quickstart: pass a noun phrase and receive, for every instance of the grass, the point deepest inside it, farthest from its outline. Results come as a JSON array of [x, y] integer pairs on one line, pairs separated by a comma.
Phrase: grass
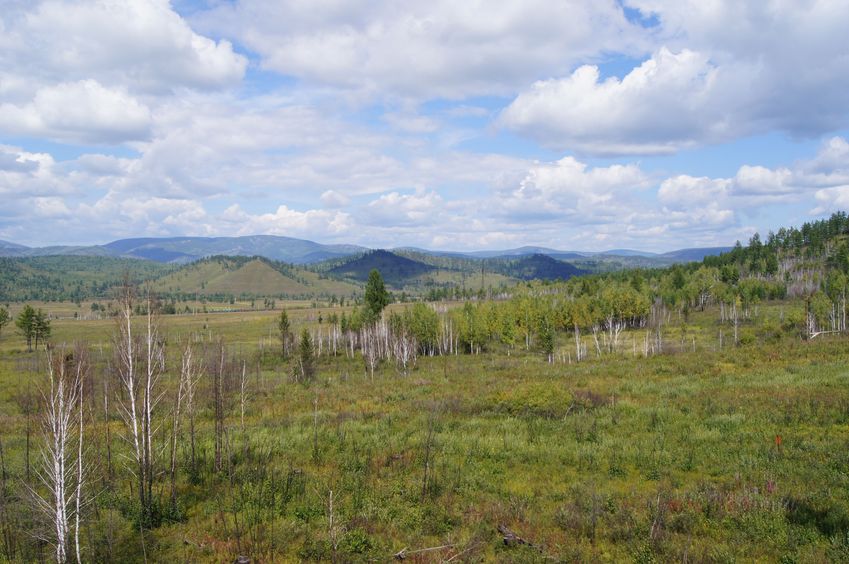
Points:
[[618, 458]]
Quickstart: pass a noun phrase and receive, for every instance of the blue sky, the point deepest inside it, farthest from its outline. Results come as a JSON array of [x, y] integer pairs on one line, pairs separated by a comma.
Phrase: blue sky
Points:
[[580, 125]]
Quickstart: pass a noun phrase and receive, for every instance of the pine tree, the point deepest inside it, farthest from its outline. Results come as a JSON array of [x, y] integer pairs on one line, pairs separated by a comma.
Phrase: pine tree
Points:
[[376, 296], [5, 318], [306, 357], [285, 331], [41, 327], [26, 324]]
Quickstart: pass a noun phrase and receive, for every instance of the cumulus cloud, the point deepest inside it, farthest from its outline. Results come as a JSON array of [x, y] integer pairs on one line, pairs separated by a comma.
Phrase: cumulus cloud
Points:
[[684, 192], [414, 160], [830, 200], [660, 106], [143, 45], [417, 209], [81, 111], [286, 221], [424, 50], [570, 190], [723, 70], [24, 175], [95, 72]]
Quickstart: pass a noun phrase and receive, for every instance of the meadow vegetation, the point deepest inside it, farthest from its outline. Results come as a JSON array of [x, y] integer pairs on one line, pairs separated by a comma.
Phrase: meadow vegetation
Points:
[[698, 413]]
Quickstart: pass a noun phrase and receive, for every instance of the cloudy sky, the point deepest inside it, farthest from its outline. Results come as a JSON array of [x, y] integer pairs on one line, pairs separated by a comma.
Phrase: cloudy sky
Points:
[[575, 124]]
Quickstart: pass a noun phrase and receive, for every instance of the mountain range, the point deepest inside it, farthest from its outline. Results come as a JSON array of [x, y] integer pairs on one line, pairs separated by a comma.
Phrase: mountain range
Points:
[[301, 251]]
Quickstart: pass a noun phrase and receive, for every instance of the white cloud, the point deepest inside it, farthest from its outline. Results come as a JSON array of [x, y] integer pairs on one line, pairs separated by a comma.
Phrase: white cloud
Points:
[[722, 70], [94, 72], [81, 111], [334, 199], [25, 175], [395, 209], [683, 191], [830, 200], [50, 208], [357, 142], [758, 180], [286, 221], [142, 45], [424, 50], [664, 104], [569, 190]]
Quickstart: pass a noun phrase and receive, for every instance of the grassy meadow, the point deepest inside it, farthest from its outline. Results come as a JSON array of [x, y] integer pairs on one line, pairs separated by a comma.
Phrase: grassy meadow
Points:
[[694, 454]]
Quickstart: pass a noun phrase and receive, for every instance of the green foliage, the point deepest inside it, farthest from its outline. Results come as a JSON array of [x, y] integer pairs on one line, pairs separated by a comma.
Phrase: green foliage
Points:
[[26, 324], [394, 269], [424, 326], [71, 278], [538, 399], [5, 318], [376, 296], [284, 331], [306, 357], [545, 336]]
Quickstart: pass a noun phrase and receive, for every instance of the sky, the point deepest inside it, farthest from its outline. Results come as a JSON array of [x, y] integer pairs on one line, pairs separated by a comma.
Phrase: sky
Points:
[[576, 124]]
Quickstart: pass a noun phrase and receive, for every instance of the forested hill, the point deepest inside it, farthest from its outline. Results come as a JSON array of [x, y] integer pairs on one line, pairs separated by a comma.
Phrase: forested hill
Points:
[[811, 260], [535, 267], [803, 257], [70, 278], [395, 269]]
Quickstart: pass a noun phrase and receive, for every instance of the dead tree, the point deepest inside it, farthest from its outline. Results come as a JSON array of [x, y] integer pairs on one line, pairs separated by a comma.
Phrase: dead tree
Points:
[[243, 394], [140, 363], [61, 471], [188, 379], [218, 404]]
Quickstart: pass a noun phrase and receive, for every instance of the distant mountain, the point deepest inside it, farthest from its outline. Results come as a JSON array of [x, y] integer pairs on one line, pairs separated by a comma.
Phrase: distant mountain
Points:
[[687, 255], [300, 251], [186, 249], [627, 253], [57, 250], [645, 258], [521, 251], [10, 247], [395, 269]]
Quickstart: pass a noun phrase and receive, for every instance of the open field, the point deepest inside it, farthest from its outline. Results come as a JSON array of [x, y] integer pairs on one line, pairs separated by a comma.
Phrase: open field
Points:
[[713, 455]]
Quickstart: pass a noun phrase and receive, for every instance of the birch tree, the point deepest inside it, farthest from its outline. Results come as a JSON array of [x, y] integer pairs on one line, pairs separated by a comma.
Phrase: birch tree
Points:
[[140, 361], [61, 470]]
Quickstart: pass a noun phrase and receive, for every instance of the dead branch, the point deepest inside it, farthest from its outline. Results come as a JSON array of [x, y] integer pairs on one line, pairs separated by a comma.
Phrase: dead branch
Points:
[[404, 552]]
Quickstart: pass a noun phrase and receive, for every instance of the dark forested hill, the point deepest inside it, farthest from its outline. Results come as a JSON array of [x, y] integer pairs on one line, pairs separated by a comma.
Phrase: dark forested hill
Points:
[[395, 269], [535, 267]]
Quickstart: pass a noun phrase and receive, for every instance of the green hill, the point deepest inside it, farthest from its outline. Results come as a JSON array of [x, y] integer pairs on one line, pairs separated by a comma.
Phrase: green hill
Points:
[[249, 276], [72, 278]]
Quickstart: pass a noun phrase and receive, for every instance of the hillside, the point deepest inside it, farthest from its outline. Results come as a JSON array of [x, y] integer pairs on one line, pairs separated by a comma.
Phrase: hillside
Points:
[[287, 249], [395, 269], [537, 267], [249, 276], [187, 249], [70, 277], [686, 255], [6, 246], [301, 251]]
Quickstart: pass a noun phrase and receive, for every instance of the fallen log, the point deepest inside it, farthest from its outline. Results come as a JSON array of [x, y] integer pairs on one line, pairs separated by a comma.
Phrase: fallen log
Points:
[[405, 552], [511, 538]]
